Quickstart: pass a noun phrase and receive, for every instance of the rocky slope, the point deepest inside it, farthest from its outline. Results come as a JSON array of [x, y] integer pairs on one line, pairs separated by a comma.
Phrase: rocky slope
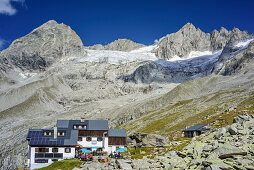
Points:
[[230, 147], [49, 75], [118, 45]]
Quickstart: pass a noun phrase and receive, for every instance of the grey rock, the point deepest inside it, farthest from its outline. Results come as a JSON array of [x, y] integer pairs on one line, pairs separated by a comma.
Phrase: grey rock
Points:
[[42, 47], [118, 45], [213, 167], [189, 38], [220, 133], [149, 140], [237, 120], [123, 164], [181, 43], [232, 130]]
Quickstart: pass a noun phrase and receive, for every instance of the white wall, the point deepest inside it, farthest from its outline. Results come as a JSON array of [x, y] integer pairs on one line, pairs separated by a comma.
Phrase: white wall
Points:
[[34, 165], [89, 144], [100, 144], [112, 148]]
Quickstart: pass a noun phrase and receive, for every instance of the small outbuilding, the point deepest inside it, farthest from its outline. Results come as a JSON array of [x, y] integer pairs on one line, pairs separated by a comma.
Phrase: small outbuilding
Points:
[[129, 142], [195, 130]]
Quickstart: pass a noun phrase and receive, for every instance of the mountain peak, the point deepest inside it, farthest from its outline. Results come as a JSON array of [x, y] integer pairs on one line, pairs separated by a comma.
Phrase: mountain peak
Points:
[[50, 22], [188, 26], [43, 46], [123, 45]]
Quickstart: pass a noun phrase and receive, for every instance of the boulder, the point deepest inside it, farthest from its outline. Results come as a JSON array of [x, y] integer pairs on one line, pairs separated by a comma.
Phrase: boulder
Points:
[[232, 130], [149, 140], [123, 164]]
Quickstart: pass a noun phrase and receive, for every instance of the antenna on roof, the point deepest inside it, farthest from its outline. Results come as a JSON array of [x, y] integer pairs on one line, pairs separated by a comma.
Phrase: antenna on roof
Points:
[[55, 132]]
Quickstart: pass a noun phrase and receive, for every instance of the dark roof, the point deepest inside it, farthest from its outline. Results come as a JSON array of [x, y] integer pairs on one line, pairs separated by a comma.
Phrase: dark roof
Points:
[[129, 140], [117, 133], [195, 128], [90, 124], [97, 125], [36, 136]]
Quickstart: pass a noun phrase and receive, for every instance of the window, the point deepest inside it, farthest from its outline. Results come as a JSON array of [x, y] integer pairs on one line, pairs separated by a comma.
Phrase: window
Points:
[[99, 138], [41, 149], [79, 138], [47, 133], [54, 160], [41, 161], [79, 126], [60, 133], [48, 155], [88, 139], [67, 150], [39, 155], [58, 155], [54, 149]]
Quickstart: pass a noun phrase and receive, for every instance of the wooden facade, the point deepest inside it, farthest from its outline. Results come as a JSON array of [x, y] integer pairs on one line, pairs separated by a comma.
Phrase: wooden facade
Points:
[[117, 141], [94, 133]]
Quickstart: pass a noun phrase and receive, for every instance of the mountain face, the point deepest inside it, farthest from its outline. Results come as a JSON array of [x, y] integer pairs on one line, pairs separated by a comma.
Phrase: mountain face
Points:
[[42, 47], [189, 38], [187, 76], [118, 45]]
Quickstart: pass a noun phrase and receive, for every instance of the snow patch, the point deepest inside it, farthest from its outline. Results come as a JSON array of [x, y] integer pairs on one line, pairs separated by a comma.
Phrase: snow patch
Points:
[[194, 54], [206, 57], [27, 75], [146, 49], [244, 44], [158, 41]]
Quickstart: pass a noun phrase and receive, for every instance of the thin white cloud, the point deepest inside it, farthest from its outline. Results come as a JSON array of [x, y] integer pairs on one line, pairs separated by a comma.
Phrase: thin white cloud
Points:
[[7, 8]]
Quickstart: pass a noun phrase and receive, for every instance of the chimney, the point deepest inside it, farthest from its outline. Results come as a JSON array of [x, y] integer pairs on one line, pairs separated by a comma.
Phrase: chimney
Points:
[[55, 132], [82, 119]]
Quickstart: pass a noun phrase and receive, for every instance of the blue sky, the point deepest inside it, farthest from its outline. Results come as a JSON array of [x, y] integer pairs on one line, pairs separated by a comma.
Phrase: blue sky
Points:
[[103, 21]]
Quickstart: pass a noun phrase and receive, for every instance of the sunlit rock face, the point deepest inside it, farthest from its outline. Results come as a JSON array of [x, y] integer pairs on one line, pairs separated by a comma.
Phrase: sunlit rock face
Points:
[[42, 47], [189, 39]]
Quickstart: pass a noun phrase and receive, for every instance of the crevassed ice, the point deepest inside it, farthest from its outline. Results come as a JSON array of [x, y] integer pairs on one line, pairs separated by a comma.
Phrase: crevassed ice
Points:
[[119, 57]]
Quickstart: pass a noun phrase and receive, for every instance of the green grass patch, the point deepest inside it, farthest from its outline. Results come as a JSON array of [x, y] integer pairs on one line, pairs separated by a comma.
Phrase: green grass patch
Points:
[[67, 164]]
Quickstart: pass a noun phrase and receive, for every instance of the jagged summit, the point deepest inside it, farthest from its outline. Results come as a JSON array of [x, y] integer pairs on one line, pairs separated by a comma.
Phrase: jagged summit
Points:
[[42, 47], [189, 39]]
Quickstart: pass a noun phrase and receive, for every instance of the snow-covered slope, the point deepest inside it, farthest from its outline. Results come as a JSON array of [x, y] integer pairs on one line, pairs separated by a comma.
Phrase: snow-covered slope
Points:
[[119, 57], [244, 44], [141, 54]]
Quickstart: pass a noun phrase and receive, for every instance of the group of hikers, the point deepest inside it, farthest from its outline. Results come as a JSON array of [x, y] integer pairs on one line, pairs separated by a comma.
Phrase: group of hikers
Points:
[[101, 157], [116, 155]]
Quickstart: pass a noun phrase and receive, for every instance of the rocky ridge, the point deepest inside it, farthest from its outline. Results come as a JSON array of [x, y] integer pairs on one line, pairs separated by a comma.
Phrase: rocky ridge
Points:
[[226, 62], [189, 38], [118, 45]]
